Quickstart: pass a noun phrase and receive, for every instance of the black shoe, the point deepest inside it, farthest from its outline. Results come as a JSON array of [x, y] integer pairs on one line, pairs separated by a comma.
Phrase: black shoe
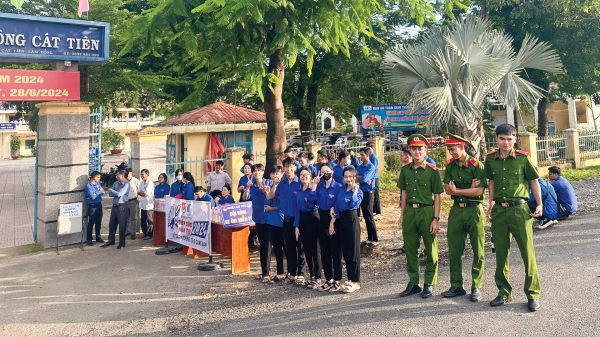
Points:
[[453, 292], [127, 234], [410, 289], [427, 291], [120, 246], [90, 243], [99, 239], [475, 295], [533, 305], [133, 236], [107, 244], [498, 301]]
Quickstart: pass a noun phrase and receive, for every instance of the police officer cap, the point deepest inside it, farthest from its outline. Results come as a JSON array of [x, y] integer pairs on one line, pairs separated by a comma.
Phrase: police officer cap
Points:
[[451, 139], [417, 140]]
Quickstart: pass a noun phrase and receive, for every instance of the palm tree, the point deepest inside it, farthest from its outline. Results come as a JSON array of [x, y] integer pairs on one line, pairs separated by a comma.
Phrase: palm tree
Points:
[[455, 69]]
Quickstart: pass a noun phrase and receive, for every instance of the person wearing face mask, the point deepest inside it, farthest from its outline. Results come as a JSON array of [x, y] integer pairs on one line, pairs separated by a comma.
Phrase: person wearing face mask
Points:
[[306, 199], [162, 189], [331, 247], [344, 161], [226, 197], [188, 186], [177, 185]]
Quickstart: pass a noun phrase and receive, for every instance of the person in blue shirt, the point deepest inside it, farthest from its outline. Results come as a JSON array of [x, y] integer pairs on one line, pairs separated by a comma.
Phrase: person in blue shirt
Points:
[[353, 159], [564, 192], [303, 159], [189, 186], [201, 195], [255, 191], [344, 161], [93, 200], [375, 161], [247, 170], [331, 248], [177, 185], [119, 212], [226, 197], [549, 204], [248, 158], [289, 153], [162, 189], [275, 222], [306, 198], [430, 160], [285, 190], [366, 178], [345, 215]]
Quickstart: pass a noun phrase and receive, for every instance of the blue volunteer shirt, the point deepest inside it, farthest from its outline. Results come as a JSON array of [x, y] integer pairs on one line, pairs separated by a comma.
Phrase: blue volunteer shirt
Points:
[[373, 159], [306, 200], [176, 188], [346, 200], [338, 173], [188, 191], [161, 191], [312, 169], [93, 193], [430, 160], [120, 192], [355, 162], [208, 198], [226, 200], [274, 218], [244, 181], [257, 196], [366, 172], [286, 193], [549, 206], [565, 194], [326, 195]]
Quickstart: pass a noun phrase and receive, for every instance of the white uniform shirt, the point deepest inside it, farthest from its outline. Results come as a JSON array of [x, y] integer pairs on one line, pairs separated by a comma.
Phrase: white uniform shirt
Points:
[[217, 181], [134, 185], [147, 202]]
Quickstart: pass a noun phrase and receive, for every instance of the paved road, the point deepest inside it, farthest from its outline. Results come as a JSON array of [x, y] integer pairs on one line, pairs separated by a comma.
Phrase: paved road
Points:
[[16, 202], [106, 292]]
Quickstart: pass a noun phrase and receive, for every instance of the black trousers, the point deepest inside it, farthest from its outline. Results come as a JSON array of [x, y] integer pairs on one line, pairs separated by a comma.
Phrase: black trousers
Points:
[[94, 218], [309, 230], [118, 216], [294, 251], [264, 239], [331, 248], [376, 199], [147, 222], [277, 240], [367, 210], [349, 228]]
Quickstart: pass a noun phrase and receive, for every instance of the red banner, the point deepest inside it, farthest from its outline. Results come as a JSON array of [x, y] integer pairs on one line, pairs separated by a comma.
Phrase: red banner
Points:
[[38, 85]]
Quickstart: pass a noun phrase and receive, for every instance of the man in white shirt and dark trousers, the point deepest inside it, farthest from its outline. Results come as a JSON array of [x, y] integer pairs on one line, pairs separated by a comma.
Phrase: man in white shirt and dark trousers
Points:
[[217, 179], [146, 204], [134, 184]]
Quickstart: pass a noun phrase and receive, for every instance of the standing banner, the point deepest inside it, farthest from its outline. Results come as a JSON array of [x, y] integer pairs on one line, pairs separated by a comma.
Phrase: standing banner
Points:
[[236, 215], [188, 223]]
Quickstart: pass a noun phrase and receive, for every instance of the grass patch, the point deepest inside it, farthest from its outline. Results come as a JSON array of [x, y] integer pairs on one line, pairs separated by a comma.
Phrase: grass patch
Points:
[[581, 173], [32, 248], [388, 180]]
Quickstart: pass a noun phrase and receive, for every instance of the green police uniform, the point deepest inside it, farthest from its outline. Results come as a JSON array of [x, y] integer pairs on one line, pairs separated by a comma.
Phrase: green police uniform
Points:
[[511, 176], [420, 183], [466, 218]]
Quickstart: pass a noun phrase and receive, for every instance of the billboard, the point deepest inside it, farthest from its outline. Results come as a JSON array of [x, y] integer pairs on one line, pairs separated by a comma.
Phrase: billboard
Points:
[[27, 39], [38, 85], [392, 117]]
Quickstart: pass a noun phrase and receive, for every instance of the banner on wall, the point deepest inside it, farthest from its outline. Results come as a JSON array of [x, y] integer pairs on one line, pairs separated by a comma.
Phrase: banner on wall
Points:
[[392, 117], [188, 223]]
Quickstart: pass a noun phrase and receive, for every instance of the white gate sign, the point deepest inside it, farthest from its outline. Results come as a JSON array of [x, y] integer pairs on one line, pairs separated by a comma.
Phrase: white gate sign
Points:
[[70, 218]]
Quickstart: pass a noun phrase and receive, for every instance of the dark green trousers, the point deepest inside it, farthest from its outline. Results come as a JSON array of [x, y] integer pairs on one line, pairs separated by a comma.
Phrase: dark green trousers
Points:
[[514, 221], [465, 221], [415, 225]]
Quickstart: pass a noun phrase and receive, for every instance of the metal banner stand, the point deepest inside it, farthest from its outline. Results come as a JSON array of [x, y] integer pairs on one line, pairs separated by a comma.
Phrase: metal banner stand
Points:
[[167, 250], [210, 265]]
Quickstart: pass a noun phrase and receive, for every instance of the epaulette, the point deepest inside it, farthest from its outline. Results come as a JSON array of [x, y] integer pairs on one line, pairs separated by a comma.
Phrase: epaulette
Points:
[[449, 161], [406, 164], [491, 152], [523, 152], [432, 166], [474, 162]]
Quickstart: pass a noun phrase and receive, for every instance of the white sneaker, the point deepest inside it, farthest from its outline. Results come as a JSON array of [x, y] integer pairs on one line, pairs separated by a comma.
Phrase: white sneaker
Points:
[[545, 224]]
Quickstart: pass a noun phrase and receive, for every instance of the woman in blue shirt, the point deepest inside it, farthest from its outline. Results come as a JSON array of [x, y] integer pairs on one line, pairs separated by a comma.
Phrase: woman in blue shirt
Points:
[[247, 169], [226, 197], [306, 199], [177, 185], [344, 209], [162, 189], [275, 222], [188, 186], [331, 248]]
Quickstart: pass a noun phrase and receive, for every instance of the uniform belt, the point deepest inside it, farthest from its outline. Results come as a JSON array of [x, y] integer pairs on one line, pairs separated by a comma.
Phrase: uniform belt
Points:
[[466, 204], [116, 205], [511, 204], [416, 205], [132, 198]]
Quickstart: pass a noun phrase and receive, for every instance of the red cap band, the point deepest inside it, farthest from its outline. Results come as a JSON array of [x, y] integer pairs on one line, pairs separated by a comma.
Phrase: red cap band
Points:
[[454, 141], [417, 142]]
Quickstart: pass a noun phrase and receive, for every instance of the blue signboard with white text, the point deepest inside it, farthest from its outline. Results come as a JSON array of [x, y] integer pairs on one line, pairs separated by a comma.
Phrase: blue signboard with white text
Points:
[[8, 126], [392, 117], [236, 215], [27, 39]]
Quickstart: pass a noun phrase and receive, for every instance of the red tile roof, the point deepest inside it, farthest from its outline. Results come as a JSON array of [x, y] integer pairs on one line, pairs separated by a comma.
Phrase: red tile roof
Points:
[[218, 113]]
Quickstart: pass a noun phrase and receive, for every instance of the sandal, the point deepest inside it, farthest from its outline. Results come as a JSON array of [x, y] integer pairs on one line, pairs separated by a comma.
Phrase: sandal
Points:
[[258, 277], [276, 279], [287, 280], [335, 287], [300, 281], [364, 243], [372, 245], [351, 287], [325, 286], [266, 279]]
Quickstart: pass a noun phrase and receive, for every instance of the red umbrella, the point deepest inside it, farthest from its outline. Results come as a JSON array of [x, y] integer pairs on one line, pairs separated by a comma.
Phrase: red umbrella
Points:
[[215, 151]]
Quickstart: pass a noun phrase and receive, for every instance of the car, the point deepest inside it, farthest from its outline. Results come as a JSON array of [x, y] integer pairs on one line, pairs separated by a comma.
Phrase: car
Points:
[[344, 141], [434, 140], [295, 141]]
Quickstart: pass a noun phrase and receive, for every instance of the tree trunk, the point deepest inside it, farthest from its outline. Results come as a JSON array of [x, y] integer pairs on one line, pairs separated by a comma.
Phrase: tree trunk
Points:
[[274, 110], [311, 100], [298, 103], [475, 133], [542, 118], [485, 11], [516, 119]]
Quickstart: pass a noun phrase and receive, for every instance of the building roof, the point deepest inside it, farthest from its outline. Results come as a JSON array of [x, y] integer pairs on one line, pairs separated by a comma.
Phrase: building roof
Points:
[[218, 113]]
